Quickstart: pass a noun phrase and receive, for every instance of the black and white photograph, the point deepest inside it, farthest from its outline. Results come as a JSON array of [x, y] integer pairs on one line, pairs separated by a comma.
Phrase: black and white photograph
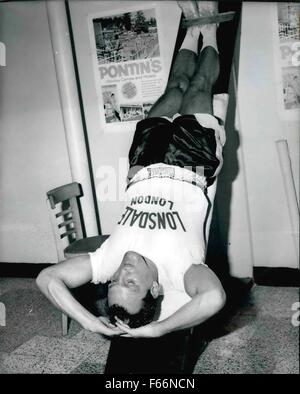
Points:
[[129, 36], [289, 33], [112, 108], [149, 190], [291, 87]]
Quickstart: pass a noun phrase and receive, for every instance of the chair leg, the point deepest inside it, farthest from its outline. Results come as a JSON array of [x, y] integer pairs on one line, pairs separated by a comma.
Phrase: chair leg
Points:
[[65, 323]]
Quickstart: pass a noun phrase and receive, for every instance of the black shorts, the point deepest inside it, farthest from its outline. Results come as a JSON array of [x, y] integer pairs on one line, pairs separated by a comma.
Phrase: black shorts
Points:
[[182, 142]]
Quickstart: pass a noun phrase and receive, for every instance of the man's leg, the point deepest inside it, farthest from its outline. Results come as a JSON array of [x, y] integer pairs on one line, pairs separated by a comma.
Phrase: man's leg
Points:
[[183, 69], [198, 97], [150, 145], [170, 102]]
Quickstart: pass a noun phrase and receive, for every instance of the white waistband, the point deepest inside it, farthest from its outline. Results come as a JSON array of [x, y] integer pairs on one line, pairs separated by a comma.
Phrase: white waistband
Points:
[[161, 170]]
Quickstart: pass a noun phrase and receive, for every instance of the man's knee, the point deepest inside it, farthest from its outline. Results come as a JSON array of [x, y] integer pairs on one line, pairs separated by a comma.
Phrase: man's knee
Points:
[[180, 82], [201, 84]]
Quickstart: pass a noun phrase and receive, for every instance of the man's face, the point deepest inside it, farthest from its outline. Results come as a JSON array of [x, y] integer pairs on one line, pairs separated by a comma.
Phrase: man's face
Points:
[[130, 283]]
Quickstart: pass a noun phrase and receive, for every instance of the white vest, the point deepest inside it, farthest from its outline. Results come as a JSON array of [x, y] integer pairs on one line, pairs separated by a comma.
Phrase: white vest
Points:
[[163, 220]]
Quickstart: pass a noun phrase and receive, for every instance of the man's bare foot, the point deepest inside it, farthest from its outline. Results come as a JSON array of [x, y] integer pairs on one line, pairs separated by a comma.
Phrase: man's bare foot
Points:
[[207, 8], [189, 9]]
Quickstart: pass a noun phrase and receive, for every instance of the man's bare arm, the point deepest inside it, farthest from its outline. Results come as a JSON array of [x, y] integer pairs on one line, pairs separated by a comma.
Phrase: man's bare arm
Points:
[[55, 282], [208, 297]]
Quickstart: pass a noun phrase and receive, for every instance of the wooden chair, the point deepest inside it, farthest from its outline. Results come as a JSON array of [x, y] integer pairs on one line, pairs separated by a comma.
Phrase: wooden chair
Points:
[[68, 227]]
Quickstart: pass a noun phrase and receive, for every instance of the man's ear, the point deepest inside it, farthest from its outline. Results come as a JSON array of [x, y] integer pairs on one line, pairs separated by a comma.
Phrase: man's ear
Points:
[[154, 290]]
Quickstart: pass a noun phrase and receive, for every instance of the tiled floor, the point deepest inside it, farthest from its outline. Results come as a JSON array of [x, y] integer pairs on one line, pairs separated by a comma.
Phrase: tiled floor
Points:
[[260, 338]]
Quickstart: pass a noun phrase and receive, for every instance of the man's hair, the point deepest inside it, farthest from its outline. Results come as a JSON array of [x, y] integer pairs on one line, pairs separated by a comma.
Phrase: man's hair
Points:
[[143, 317]]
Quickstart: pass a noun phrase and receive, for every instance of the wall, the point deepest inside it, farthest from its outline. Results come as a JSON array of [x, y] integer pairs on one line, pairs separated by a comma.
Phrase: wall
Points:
[[33, 154], [261, 126]]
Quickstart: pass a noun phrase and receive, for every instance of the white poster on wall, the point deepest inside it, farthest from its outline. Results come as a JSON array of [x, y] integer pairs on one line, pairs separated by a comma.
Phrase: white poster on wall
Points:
[[129, 69], [287, 58]]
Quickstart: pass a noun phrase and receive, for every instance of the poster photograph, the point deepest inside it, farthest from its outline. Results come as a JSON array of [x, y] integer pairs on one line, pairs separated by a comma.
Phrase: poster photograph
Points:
[[129, 66], [288, 39]]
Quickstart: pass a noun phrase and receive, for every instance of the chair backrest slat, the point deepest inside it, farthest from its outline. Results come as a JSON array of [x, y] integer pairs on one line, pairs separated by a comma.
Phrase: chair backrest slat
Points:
[[65, 223], [69, 232], [64, 212]]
